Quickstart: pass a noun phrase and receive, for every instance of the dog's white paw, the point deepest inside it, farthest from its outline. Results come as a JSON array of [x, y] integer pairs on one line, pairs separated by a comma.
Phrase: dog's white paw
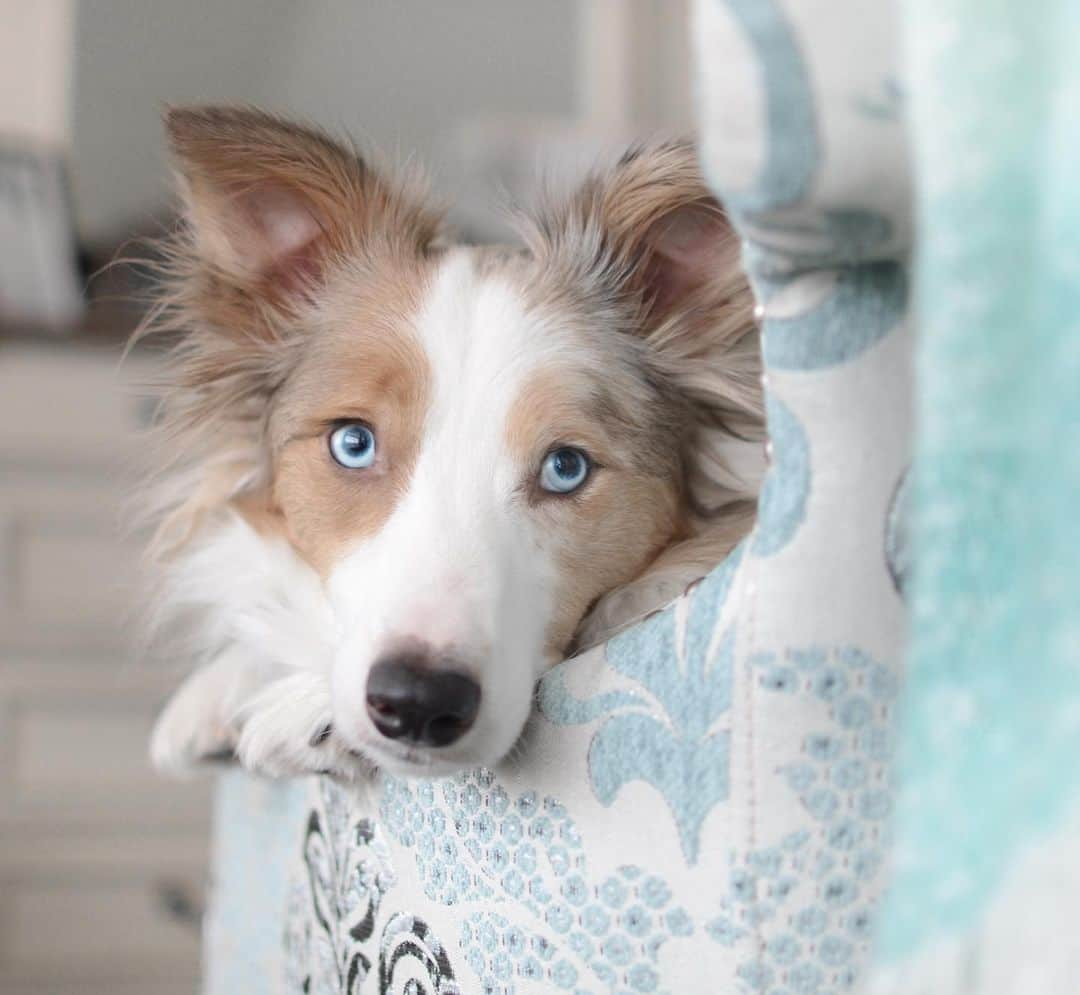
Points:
[[199, 726], [286, 731], [274, 726]]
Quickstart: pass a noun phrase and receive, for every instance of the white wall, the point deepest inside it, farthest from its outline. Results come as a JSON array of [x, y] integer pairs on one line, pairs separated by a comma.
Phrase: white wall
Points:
[[399, 73], [35, 69]]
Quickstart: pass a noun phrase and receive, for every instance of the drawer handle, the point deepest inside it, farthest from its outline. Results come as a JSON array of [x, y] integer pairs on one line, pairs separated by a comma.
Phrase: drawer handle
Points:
[[179, 904]]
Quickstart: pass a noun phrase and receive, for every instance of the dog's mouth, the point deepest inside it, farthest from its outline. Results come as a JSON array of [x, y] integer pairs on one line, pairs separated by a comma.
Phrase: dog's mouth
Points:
[[409, 756], [401, 760], [372, 754]]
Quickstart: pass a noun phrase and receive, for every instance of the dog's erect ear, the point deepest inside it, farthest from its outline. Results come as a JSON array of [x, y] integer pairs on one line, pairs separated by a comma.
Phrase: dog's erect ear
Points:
[[649, 227], [271, 209], [269, 202], [646, 249]]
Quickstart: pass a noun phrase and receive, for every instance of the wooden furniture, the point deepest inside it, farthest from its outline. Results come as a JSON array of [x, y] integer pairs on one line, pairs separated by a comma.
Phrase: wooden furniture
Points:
[[102, 862]]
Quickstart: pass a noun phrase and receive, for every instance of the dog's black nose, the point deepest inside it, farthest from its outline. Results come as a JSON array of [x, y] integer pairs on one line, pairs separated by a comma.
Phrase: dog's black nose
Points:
[[421, 704]]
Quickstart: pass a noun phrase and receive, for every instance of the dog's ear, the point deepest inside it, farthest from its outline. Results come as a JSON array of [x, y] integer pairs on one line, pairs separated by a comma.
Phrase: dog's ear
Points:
[[648, 230], [270, 211], [646, 249], [269, 203]]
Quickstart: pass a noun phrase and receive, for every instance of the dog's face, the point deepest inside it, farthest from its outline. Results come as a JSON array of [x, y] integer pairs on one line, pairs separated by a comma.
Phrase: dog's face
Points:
[[467, 471], [468, 447]]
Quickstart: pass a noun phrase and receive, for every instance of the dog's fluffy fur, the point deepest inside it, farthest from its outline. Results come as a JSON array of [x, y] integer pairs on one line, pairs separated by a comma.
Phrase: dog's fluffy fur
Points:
[[305, 288]]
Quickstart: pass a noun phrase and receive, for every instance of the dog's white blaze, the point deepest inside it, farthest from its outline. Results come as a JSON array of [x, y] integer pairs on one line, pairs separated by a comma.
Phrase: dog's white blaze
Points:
[[457, 566]]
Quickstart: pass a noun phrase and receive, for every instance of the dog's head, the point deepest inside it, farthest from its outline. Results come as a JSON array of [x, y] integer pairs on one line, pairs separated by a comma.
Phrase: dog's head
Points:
[[467, 447]]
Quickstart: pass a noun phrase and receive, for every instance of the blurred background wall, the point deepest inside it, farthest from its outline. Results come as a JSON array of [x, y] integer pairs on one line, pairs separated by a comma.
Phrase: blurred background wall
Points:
[[402, 74], [407, 76], [35, 69], [103, 864]]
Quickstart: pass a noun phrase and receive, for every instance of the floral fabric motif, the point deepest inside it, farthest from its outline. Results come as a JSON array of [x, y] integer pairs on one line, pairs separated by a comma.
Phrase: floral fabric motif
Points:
[[348, 872], [867, 302], [786, 490], [557, 925], [671, 738], [334, 909], [810, 899], [413, 961]]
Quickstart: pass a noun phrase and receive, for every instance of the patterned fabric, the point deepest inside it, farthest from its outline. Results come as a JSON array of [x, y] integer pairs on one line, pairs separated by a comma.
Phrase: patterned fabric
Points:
[[703, 804]]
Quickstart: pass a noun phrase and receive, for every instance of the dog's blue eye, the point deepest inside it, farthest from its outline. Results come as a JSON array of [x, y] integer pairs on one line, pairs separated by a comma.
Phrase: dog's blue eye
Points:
[[564, 470], [353, 446]]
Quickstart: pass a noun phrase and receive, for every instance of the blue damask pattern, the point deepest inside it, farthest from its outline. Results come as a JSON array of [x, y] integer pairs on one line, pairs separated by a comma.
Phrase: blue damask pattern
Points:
[[669, 739], [558, 924], [793, 148], [816, 888], [784, 495], [867, 302]]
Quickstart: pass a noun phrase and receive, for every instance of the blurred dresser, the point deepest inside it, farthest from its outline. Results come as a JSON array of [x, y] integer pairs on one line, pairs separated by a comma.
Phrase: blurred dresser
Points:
[[102, 863]]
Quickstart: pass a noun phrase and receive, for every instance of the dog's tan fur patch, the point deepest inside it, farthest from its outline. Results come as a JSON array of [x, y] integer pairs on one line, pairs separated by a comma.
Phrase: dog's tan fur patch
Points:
[[364, 364], [642, 255], [628, 510], [274, 214]]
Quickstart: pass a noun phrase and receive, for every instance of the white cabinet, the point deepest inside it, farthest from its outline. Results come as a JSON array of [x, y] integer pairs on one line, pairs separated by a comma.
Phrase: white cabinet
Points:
[[102, 863]]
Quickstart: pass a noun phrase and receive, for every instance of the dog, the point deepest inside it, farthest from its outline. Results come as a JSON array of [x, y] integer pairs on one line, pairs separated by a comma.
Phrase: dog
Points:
[[401, 478]]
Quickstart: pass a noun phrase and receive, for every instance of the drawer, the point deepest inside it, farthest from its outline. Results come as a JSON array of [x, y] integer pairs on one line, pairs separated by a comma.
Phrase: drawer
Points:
[[68, 574], [49, 986], [73, 753], [155, 986], [68, 407], [70, 455], [101, 861], [102, 929]]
